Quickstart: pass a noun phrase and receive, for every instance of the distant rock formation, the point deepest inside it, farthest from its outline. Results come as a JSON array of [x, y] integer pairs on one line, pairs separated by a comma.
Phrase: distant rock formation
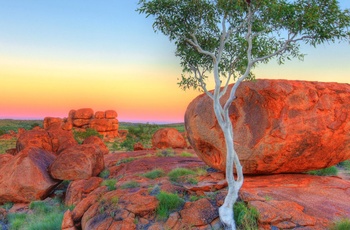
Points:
[[279, 126], [105, 123]]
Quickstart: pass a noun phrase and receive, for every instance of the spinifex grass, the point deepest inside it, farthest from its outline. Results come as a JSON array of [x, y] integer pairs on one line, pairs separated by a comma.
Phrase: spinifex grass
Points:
[[168, 202], [156, 173]]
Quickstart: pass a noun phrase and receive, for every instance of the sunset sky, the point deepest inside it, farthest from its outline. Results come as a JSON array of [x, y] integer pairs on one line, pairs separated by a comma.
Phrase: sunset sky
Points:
[[59, 55]]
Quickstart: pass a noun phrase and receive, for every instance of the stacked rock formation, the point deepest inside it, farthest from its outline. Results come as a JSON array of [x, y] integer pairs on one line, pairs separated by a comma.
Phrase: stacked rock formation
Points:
[[105, 123], [280, 126]]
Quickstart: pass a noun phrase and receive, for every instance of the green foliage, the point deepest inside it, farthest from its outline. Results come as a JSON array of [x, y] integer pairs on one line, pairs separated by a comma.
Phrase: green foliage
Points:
[[110, 183], [156, 173], [7, 205], [80, 136], [331, 171], [246, 218], [273, 29], [141, 133], [8, 124], [168, 202], [165, 153], [6, 144], [343, 224], [17, 220], [181, 175], [104, 174], [186, 154], [130, 184], [345, 165], [125, 160], [45, 215]]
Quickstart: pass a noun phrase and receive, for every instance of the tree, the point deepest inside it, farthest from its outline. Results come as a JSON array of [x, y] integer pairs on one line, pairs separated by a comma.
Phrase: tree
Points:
[[228, 38]]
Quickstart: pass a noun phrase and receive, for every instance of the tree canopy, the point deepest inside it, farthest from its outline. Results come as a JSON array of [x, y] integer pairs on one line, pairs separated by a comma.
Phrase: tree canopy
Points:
[[277, 27]]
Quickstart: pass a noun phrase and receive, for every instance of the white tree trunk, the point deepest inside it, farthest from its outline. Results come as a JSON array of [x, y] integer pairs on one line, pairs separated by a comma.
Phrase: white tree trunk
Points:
[[226, 210]]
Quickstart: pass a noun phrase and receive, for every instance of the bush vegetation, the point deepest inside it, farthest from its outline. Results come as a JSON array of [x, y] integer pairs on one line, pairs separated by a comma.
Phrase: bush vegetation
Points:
[[45, 215], [246, 218], [110, 183], [342, 224], [345, 165], [182, 175], [165, 153], [168, 202], [140, 133], [8, 124], [331, 171], [130, 184], [156, 173]]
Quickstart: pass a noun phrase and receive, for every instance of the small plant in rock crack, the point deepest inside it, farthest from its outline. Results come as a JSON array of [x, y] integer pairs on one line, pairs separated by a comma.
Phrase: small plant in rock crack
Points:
[[110, 183]]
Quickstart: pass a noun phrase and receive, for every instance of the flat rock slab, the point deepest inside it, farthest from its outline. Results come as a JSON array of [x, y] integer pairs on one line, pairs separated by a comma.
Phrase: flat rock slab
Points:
[[297, 201]]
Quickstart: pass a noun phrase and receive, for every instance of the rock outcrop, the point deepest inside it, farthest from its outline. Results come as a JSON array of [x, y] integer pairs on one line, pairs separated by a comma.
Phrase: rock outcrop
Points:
[[279, 126], [168, 138], [53, 138], [78, 162], [106, 123], [25, 178], [293, 200]]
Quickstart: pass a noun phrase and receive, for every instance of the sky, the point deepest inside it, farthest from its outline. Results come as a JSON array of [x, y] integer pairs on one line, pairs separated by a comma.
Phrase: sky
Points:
[[60, 55]]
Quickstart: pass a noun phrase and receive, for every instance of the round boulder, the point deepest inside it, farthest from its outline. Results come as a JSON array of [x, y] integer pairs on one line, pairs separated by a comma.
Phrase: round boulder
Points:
[[78, 162], [168, 138], [280, 126], [24, 177]]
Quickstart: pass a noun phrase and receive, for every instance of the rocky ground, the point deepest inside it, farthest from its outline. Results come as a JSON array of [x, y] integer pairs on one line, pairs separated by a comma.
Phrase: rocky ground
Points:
[[287, 201]]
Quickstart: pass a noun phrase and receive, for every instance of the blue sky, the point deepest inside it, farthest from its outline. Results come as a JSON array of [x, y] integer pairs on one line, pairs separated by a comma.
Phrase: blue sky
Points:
[[57, 55]]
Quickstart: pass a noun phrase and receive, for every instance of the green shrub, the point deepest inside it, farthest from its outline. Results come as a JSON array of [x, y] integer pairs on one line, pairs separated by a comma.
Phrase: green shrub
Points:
[[345, 165], [246, 218], [331, 171], [141, 133], [156, 173], [343, 224], [40, 207], [80, 136], [179, 174], [52, 221], [165, 153], [186, 154], [104, 174], [130, 184], [45, 215], [168, 202], [110, 183], [126, 160], [17, 220], [7, 205]]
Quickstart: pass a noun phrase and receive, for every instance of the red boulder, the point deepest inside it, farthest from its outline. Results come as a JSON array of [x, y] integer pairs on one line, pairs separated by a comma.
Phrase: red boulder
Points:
[[78, 162], [24, 178], [111, 114], [97, 142], [168, 138], [85, 113], [279, 126], [34, 138]]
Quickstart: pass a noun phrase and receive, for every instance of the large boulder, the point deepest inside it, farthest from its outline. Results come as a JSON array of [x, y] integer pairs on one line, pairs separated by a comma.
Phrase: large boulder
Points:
[[34, 138], [168, 138], [24, 178], [78, 162], [61, 138], [98, 142], [279, 126]]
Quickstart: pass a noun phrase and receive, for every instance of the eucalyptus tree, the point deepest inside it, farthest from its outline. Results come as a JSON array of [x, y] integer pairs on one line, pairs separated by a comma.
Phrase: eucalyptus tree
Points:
[[227, 39]]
